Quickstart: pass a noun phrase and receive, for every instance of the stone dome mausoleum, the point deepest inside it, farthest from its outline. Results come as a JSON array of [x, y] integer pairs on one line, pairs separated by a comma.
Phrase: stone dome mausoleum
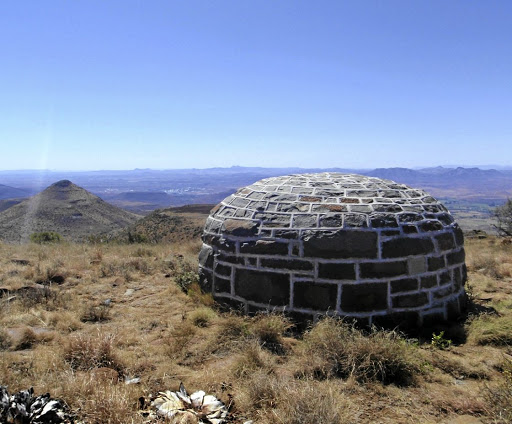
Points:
[[340, 244]]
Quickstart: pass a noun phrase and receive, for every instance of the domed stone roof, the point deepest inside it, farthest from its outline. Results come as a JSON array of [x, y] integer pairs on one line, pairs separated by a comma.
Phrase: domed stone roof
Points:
[[330, 243]]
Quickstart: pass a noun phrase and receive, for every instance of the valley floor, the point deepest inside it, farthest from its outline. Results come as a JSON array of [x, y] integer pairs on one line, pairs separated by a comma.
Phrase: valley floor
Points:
[[78, 320]]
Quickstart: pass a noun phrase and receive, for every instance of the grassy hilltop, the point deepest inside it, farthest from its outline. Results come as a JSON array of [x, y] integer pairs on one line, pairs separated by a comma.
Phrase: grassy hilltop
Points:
[[76, 320]]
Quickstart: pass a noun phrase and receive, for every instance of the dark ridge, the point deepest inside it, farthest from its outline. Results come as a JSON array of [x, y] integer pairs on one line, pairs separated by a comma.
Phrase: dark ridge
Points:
[[62, 184]]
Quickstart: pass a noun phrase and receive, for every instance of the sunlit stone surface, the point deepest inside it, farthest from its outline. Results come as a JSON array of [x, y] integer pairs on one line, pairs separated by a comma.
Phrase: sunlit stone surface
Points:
[[340, 244]]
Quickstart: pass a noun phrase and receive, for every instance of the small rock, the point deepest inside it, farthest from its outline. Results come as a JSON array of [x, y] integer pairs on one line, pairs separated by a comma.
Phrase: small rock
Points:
[[129, 292]]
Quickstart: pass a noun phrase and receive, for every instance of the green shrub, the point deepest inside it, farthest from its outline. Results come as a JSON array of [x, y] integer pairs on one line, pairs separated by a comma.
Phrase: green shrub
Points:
[[45, 237], [186, 279], [439, 342]]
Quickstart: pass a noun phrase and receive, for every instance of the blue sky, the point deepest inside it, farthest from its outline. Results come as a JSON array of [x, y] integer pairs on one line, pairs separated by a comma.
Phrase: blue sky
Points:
[[104, 84]]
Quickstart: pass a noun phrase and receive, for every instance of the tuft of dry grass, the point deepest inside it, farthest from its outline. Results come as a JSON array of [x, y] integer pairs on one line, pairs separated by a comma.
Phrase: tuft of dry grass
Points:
[[202, 317], [86, 352], [333, 348], [499, 396], [490, 329], [269, 330], [5, 340]]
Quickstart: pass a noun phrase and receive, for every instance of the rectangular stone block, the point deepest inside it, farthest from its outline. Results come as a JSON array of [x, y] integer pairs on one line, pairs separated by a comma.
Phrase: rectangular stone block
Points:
[[240, 227], [239, 202], [403, 247], [267, 247], [406, 284], [409, 229], [389, 233], [305, 221], [340, 244], [222, 270], [445, 241], [232, 259], [410, 300], [443, 292], [431, 226], [456, 257], [459, 236], [292, 207], [428, 281], [364, 297], [445, 218], [355, 220], [273, 219], [435, 263], [387, 208], [383, 269], [334, 220], [286, 234], [416, 265], [336, 271], [360, 208], [383, 221], [316, 296], [263, 287], [287, 264], [221, 285], [409, 217], [444, 278], [329, 208]]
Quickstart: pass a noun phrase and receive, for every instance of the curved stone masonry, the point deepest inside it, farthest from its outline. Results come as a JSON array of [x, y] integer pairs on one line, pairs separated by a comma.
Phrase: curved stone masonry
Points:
[[339, 244]]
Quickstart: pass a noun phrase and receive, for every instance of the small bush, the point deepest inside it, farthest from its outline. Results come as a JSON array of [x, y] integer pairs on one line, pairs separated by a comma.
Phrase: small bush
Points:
[[186, 279], [202, 317], [87, 352], [269, 330], [45, 237], [440, 342], [251, 360], [95, 313], [136, 238], [44, 296], [179, 337], [27, 340], [306, 403], [333, 348]]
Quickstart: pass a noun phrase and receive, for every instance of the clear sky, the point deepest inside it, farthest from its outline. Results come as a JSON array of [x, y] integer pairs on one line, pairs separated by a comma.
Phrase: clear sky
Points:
[[104, 84]]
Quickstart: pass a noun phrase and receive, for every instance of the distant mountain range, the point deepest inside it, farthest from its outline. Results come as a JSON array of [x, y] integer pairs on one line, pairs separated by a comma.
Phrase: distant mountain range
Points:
[[143, 190], [469, 193], [65, 208]]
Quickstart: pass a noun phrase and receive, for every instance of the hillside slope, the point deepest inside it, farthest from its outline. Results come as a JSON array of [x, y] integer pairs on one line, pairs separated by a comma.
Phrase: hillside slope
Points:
[[65, 208], [172, 225], [7, 192]]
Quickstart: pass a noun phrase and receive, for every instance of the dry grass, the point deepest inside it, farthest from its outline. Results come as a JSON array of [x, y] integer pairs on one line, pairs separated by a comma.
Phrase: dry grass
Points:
[[334, 348], [136, 311]]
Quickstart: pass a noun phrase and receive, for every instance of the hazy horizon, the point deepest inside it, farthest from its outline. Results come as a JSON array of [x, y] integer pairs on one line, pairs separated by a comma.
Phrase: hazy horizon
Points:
[[93, 85]]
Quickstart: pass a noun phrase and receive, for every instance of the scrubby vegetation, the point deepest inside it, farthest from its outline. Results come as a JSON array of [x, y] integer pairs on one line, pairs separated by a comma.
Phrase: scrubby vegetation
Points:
[[125, 311]]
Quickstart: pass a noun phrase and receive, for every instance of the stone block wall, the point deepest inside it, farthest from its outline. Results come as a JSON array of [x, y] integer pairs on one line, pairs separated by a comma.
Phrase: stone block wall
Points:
[[339, 244]]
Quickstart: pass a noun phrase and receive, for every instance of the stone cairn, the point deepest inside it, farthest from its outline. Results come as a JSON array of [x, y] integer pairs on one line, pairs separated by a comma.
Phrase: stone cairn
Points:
[[369, 249]]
